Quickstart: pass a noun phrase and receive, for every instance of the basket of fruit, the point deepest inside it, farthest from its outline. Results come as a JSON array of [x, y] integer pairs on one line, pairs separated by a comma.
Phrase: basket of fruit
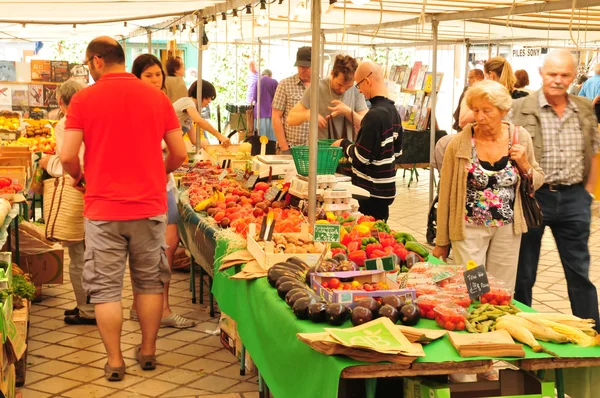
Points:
[[327, 159]]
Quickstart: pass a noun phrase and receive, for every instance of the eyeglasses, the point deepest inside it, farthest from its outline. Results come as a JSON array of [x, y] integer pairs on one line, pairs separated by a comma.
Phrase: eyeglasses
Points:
[[87, 61], [359, 83]]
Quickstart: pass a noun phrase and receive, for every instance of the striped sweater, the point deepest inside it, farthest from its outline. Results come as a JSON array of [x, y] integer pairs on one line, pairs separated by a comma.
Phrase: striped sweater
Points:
[[378, 144]]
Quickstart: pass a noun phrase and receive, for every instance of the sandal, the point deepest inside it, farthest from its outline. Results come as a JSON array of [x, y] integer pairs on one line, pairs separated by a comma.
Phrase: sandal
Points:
[[147, 362], [133, 315], [114, 374], [176, 321]]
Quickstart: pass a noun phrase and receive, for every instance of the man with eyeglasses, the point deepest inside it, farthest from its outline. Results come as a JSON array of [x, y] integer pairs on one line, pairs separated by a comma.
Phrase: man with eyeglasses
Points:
[[122, 121], [341, 105], [378, 144]]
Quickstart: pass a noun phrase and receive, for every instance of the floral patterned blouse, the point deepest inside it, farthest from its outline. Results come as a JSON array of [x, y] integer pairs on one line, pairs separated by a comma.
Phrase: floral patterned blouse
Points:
[[490, 191]]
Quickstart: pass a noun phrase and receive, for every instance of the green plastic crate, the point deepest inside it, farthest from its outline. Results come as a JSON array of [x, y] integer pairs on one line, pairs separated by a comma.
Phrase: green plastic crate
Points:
[[327, 159], [326, 142]]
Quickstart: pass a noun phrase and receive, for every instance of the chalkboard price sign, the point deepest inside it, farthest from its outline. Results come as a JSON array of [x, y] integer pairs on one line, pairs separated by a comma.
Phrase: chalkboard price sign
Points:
[[477, 282], [327, 233]]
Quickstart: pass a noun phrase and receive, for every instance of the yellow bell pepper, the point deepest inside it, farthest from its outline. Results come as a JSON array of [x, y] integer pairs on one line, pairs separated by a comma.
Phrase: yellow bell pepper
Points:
[[343, 232], [368, 224], [362, 228], [322, 222]]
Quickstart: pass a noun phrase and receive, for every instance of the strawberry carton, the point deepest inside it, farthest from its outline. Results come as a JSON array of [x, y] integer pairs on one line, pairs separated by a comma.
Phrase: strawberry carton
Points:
[[461, 299], [450, 316], [426, 289], [498, 294], [456, 288], [429, 302]]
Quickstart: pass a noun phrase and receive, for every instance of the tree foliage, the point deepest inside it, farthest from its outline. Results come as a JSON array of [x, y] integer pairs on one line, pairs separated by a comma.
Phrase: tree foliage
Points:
[[72, 51]]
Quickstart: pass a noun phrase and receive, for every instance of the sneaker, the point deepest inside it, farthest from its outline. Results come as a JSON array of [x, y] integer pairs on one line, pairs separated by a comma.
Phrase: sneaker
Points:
[[114, 374], [74, 311], [176, 321], [77, 320]]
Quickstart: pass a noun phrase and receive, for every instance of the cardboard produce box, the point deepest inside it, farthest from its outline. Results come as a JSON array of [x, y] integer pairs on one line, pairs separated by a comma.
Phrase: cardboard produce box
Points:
[[250, 366], [228, 332]]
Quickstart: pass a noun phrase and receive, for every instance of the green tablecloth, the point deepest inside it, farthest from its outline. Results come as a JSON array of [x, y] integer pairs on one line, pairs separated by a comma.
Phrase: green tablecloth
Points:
[[291, 368]]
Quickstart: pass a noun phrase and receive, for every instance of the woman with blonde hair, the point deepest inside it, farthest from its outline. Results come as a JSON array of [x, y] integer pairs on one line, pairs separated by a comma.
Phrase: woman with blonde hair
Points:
[[499, 70], [479, 208]]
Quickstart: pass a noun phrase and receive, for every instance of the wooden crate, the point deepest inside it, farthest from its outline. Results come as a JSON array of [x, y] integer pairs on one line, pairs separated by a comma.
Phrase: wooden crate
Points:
[[21, 321]]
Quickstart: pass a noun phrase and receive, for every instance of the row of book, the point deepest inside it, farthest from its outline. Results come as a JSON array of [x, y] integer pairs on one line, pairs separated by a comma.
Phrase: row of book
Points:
[[19, 97], [414, 78], [42, 71], [414, 110]]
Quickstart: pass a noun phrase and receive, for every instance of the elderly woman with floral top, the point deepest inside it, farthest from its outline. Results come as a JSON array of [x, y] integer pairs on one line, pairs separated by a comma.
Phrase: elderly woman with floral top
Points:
[[479, 208]]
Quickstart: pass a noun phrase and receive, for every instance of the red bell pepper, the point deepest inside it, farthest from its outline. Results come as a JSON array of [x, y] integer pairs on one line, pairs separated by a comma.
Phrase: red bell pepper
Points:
[[387, 242], [358, 257], [337, 251], [377, 254], [372, 246], [353, 246], [383, 235], [388, 250], [346, 239], [400, 251], [365, 219]]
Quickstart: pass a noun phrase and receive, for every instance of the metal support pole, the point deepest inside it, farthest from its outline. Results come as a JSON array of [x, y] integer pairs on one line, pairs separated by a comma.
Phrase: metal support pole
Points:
[[322, 69], [387, 57], [236, 73], [468, 47], [199, 86], [149, 41], [497, 49], [313, 130], [432, 101], [257, 105]]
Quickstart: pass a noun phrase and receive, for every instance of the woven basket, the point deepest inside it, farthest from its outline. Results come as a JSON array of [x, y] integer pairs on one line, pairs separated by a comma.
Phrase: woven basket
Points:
[[63, 210]]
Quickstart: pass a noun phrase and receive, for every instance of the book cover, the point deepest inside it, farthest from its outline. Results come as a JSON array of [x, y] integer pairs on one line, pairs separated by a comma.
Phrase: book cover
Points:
[[393, 72], [421, 78], [23, 71], [406, 77], [5, 95], [423, 117], [400, 75], [414, 74], [415, 110], [8, 71], [50, 98], [41, 70], [60, 71], [19, 96], [79, 71], [36, 95], [440, 76], [428, 82]]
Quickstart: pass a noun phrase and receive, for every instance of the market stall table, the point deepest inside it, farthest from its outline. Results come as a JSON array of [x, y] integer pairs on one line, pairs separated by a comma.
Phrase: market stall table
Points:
[[268, 330]]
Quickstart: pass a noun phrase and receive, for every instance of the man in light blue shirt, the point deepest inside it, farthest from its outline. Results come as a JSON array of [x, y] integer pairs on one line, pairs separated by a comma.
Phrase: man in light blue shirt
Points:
[[591, 87]]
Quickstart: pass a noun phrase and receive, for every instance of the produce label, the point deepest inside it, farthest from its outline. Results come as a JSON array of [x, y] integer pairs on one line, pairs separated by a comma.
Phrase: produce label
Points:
[[251, 181], [380, 264], [477, 282], [222, 175], [440, 276], [327, 233], [239, 174], [272, 193]]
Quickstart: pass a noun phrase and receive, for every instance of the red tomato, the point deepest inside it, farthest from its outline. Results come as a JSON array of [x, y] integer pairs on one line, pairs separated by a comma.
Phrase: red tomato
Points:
[[449, 326], [429, 314], [460, 326], [440, 322], [261, 186], [325, 285], [334, 283]]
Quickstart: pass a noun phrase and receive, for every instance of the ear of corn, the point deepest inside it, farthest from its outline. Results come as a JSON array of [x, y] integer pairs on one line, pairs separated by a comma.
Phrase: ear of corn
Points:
[[566, 319], [522, 334], [539, 330], [575, 335]]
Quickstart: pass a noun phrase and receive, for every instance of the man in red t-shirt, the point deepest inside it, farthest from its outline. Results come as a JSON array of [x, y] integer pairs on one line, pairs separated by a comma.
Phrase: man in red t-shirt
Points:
[[122, 122]]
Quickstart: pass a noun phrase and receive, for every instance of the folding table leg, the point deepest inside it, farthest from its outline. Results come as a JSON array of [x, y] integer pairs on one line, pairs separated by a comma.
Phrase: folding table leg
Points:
[[210, 297], [370, 387], [193, 279], [201, 285], [560, 383], [243, 361]]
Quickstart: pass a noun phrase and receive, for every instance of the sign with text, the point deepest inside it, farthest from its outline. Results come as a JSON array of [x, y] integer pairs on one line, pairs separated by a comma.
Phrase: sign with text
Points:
[[440, 276], [251, 181], [477, 282], [272, 193], [386, 263], [239, 174], [527, 52], [222, 175], [327, 233]]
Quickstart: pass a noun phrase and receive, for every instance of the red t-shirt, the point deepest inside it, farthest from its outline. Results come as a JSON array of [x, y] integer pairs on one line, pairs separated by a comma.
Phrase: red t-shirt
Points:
[[123, 121]]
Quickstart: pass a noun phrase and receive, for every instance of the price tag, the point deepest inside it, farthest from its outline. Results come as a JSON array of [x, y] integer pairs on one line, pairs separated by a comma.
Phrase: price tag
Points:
[[239, 174], [440, 276], [477, 282], [327, 233], [380, 264], [222, 175], [272, 193], [251, 181]]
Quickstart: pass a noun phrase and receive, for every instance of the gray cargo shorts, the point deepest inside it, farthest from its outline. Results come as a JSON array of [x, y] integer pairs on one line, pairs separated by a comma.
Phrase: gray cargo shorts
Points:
[[109, 243]]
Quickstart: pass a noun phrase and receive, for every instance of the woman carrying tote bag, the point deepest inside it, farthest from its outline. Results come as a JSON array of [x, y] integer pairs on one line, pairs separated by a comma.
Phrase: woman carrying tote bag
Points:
[[63, 210]]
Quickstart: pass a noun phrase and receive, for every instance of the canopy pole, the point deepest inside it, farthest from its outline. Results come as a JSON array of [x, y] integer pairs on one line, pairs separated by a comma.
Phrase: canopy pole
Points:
[[149, 41], [199, 85], [313, 130], [322, 69], [432, 131], [257, 105], [236, 73], [468, 47]]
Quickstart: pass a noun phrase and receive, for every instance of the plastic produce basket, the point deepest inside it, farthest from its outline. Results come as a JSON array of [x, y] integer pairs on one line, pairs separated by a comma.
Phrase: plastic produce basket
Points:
[[327, 159], [326, 142]]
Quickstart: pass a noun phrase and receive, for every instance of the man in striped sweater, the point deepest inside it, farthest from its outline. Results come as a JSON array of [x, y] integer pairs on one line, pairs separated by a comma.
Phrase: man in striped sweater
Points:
[[378, 144]]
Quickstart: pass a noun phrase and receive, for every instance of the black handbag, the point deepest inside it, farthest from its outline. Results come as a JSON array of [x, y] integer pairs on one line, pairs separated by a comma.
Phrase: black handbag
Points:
[[531, 208]]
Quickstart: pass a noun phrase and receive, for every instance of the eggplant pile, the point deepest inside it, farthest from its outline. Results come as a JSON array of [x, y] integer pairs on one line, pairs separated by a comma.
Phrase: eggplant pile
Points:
[[393, 307], [291, 279]]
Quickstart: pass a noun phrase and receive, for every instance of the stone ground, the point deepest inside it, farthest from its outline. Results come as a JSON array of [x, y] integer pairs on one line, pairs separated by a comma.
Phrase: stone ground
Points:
[[68, 361]]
